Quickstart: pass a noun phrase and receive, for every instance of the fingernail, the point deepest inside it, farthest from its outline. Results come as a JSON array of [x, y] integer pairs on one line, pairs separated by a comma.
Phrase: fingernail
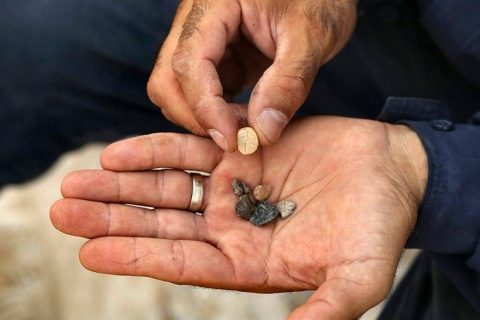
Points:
[[272, 122], [219, 139]]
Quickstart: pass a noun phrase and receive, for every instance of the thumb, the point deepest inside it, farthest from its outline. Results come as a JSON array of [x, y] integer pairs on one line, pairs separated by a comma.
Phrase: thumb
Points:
[[284, 86], [339, 299]]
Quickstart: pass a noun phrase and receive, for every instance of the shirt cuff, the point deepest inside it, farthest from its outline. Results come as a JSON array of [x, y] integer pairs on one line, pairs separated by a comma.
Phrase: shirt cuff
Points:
[[449, 218]]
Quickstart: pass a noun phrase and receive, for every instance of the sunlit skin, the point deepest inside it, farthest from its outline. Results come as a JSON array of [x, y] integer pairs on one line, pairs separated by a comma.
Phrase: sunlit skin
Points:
[[357, 184]]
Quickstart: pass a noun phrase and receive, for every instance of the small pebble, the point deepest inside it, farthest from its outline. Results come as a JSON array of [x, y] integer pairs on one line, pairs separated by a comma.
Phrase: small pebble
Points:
[[244, 207], [237, 187], [264, 213], [262, 192], [246, 189], [247, 140], [286, 207]]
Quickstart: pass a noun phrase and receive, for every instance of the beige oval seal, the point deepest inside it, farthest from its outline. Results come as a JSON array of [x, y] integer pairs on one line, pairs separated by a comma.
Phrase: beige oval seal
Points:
[[247, 140]]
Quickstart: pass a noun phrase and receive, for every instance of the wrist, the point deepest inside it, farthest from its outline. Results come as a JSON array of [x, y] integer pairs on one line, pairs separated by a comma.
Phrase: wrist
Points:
[[409, 156]]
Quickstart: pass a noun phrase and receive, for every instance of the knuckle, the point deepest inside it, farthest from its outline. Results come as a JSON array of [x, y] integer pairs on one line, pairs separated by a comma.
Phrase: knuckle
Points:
[[202, 110], [294, 86], [134, 256], [330, 17], [181, 61], [152, 92], [183, 149], [199, 109], [177, 255], [166, 114]]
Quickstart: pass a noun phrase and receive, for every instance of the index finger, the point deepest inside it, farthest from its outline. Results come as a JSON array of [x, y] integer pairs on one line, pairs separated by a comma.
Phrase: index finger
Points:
[[162, 150], [208, 29], [163, 88]]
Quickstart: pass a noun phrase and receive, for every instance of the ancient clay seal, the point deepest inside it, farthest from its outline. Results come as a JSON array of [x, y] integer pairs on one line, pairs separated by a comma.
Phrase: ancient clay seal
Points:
[[247, 140]]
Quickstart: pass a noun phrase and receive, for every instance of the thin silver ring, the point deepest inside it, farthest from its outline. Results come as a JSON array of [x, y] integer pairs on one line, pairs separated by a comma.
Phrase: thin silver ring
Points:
[[197, 192]]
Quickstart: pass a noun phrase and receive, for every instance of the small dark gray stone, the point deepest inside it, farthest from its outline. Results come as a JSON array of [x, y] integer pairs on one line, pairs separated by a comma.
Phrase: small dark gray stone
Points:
[[244, 207], [237, 187], [246, 189], [264, 213]]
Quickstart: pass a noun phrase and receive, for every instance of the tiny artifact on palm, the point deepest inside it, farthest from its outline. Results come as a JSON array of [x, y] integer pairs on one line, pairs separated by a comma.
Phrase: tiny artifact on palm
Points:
[[247, 140]]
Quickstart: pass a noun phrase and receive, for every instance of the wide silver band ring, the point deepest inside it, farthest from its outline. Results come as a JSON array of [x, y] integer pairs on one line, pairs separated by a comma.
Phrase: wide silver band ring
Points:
[[197, 192]]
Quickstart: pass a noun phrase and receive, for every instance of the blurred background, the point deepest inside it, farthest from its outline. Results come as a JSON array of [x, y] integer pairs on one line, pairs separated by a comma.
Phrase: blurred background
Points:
[[41, 276]]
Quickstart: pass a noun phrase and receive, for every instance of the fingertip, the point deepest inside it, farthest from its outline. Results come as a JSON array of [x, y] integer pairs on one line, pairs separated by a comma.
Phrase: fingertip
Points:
[[152, 90], [110, 255], [269, 124], [69, 184], [119, 155], [56, 214], [218, 138], [87, 255], [95, 255], [107, 158], [223, 132]]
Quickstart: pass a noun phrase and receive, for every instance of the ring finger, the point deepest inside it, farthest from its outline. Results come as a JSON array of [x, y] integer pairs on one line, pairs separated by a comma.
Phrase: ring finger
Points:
[[155, 188]]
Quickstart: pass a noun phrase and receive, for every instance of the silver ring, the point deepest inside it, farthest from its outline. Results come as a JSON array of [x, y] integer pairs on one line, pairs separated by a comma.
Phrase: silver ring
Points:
[[197, 192]]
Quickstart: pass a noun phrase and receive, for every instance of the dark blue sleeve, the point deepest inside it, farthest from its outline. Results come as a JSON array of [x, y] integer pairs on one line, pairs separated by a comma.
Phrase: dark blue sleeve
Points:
[[454, 26], [449, 219], [448, 224]]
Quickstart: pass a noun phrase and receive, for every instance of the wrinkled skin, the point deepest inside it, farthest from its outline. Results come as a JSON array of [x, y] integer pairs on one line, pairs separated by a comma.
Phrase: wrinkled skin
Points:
[[357, 184], [216, 48]]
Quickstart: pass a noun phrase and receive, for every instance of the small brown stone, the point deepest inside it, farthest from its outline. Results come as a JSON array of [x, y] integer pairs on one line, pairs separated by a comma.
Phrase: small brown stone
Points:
[[262, 192], [286, 208], [244, 207]]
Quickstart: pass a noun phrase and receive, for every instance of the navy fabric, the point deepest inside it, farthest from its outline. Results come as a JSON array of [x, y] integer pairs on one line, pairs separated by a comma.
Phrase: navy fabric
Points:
[[426, 293], [458, 38], [74, 72], [448, 226]]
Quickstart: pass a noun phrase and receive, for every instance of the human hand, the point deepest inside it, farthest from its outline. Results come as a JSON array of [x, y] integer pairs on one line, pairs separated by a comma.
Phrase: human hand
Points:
[[357, 184], [216, 48]]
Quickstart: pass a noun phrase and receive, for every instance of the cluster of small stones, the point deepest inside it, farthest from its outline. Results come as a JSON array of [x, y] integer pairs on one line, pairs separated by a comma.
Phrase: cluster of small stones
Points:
[[252, 205]]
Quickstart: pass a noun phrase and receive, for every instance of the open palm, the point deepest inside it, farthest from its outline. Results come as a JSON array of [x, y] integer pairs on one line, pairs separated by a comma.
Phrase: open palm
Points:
[[356, 204]]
